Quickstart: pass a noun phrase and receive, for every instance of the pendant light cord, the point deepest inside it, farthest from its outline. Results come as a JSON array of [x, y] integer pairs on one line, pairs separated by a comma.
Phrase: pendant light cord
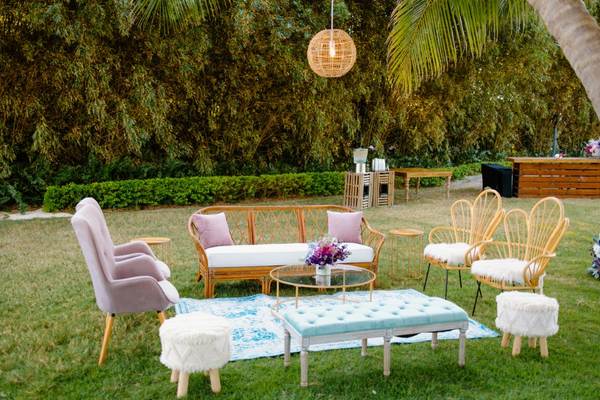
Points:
[[332, 14]]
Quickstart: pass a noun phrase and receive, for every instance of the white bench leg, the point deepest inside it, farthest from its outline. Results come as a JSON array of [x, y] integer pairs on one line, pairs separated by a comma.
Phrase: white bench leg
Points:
[[434, 340], [387, 354], [286, 348], [363, 351], [304, 363], [462, 345]]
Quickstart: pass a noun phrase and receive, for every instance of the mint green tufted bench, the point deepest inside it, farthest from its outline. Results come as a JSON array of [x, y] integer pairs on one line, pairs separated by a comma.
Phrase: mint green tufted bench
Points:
[[385, 318]]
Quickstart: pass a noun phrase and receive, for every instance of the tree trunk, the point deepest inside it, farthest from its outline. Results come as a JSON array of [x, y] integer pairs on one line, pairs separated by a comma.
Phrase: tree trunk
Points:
[[578, 35]]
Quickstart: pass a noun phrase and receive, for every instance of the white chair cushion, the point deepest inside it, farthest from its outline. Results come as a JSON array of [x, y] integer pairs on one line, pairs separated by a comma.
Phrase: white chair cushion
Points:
[[452, 253], [256, 255], [509, 270]]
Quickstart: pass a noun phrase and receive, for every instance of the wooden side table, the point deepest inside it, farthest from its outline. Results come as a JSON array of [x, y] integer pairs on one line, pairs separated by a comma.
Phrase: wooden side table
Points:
[[406, 260], [162, 247], [419, 173]]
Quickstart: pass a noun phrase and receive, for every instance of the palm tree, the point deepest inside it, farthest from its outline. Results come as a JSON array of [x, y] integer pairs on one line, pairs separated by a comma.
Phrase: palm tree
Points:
[[428, 35]]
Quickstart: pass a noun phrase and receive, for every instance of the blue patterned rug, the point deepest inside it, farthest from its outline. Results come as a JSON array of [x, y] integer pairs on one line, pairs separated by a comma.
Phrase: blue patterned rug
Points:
[[256, 333]]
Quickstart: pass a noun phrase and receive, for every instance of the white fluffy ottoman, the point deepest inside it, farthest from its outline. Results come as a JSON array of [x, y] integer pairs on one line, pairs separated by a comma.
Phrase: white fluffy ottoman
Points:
[[527, 314], [195, 342]]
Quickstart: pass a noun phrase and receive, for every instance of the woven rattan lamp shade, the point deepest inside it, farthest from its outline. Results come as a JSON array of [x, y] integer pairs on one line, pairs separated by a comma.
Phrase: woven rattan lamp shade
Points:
[[320, 59]]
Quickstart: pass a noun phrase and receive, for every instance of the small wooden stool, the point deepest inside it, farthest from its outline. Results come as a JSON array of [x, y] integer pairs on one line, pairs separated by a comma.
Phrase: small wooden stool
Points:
[[195, 342], [407, 245], [163, 247], [527, 314]]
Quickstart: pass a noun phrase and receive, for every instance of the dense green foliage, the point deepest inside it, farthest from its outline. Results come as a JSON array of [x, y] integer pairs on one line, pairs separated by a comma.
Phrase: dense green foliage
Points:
[[85, 94]]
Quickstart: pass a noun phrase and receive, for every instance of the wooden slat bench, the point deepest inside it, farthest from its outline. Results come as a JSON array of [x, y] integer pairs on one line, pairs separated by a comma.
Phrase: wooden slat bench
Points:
[[386, 318]]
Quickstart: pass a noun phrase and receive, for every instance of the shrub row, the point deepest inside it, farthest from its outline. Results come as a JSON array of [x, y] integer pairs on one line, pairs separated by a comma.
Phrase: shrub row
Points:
[[132, 194]]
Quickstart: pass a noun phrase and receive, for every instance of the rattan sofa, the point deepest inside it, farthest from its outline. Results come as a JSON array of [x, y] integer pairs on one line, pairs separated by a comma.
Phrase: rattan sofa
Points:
[[265, 237]]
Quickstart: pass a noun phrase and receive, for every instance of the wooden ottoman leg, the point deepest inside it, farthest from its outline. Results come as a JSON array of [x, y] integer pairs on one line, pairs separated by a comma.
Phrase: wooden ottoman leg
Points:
[[505, 339], [182, 386], [532, 342], [516, 346], [174, 376], [215, 381], [544, 347]]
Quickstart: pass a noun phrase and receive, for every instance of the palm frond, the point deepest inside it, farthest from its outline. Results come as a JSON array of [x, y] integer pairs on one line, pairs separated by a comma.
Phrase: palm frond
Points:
[[427, 35], [169, 14]]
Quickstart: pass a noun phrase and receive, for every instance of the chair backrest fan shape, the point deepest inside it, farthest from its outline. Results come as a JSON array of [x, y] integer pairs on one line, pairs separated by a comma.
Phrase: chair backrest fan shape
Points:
[[478, 221], [547, 222]]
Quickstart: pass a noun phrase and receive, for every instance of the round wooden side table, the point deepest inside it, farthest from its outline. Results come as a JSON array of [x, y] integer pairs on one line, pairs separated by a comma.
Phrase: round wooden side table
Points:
[[406, 260], [162, 247]]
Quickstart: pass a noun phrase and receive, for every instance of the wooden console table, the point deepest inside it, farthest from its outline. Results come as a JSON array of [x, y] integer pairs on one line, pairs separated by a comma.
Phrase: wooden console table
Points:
[[559, 177], [408, 173]]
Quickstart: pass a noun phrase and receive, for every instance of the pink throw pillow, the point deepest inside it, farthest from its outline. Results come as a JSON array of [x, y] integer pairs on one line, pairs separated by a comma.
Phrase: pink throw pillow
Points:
[[212, 230], [345, 226]]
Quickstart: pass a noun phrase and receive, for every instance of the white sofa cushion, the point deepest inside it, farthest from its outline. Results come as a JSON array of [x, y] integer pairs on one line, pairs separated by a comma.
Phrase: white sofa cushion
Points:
[[257, 255]]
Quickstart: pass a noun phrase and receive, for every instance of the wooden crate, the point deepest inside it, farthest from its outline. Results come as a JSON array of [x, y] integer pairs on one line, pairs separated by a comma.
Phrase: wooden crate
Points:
[[358, 191], [383, 189], [562, 178]]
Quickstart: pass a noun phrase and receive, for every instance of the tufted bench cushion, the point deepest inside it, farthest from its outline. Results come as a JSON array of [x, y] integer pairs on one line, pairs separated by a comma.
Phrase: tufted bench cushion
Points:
[[386, 314], [385, 318]]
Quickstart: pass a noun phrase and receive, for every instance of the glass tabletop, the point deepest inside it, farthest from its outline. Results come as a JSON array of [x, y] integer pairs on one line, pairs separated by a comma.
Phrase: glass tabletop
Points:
[[342, 276]]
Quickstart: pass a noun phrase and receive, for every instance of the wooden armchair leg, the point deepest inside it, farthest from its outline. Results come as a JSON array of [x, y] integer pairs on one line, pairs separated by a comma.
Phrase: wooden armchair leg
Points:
[[161, 316], [110, 319]]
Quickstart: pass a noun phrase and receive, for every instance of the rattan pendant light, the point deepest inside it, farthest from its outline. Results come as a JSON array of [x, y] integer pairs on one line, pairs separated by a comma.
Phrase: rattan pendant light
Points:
[[331, 53]]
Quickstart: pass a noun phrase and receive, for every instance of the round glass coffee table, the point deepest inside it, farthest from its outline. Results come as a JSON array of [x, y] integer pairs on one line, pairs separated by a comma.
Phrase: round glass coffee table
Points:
[[342, 276]]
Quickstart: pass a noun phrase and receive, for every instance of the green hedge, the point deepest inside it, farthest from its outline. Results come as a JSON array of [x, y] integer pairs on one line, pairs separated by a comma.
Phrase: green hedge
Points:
[[196, 190], [207, 190]]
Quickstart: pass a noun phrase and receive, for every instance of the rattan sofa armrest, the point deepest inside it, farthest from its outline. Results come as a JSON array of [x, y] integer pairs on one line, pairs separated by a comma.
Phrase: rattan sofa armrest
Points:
[[372, 238]]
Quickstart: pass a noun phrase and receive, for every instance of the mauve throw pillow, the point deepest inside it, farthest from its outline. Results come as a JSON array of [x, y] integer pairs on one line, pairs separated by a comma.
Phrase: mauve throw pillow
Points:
[[212, 230], [345, 226]]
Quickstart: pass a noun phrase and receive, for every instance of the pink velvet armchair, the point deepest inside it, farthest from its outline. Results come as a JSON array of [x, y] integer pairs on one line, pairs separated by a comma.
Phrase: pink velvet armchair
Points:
[[130, 285], [126, 250]]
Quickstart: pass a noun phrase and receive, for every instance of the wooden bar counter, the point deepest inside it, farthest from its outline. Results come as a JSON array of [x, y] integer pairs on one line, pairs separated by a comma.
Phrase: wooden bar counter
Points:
[[565, 177]]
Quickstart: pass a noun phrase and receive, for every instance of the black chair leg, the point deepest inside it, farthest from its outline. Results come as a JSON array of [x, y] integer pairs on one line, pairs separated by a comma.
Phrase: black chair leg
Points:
[[446, 292], [477, 296], [459, 278], [426, 276]]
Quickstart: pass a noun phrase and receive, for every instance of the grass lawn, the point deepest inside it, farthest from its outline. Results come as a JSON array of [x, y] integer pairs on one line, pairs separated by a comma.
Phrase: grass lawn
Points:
[[51, 329]]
